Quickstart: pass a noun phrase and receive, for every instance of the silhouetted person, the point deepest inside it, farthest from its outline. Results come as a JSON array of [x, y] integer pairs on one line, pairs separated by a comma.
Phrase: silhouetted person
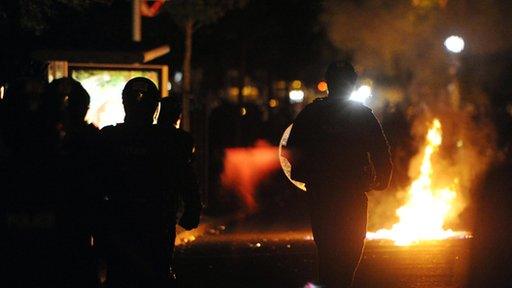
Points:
[[22, 122], [78, 145], [170, 112], [340, 152], [31, 195], [169, 120], [145, 173]]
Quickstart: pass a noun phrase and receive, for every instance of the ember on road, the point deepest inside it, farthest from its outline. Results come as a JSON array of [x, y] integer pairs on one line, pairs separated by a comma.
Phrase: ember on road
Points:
[[287, 259]]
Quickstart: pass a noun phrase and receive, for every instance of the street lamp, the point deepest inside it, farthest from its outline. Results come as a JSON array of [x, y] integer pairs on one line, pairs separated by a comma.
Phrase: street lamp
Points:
[[454, 44]]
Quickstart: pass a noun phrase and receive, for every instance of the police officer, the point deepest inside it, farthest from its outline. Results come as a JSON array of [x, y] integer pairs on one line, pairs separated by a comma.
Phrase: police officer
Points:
[[79, 198], [169, 120], [145, 172], [30, 194], [340, 151]]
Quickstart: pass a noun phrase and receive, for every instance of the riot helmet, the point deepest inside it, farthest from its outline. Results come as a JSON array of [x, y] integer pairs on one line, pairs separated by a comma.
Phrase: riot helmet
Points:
[[69, 100]]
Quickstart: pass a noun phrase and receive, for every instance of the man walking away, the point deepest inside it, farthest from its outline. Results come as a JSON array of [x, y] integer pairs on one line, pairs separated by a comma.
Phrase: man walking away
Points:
[[339, 150]]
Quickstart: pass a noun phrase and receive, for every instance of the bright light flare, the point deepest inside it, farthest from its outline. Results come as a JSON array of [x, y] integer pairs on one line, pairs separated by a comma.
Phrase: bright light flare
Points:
[[454, 44], [296, 96], [362, 94], [424, 215]]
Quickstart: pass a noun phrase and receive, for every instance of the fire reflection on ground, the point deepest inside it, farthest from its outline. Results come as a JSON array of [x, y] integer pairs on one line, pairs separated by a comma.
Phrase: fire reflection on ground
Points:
[[264, 258]]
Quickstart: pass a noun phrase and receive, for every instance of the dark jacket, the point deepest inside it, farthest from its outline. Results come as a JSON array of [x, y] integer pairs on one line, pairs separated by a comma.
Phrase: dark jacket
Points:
[[147, 170], [340, 142]]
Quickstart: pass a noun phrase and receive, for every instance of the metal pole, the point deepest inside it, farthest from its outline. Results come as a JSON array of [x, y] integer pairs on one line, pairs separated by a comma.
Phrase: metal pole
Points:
[[136, 21]]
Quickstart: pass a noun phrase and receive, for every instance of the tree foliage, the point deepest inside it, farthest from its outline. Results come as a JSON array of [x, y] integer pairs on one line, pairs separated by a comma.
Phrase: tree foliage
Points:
[[201, 12], [34, 15]]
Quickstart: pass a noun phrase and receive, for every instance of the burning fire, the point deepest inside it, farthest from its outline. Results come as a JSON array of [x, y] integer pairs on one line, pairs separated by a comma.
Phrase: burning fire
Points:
[[427, 208]]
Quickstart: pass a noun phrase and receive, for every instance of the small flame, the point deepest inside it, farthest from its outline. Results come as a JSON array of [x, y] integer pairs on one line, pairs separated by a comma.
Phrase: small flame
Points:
[[424, 215]]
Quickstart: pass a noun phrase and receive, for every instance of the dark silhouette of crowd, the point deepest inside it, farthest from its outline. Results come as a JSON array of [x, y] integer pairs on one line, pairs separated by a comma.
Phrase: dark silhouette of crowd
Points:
[[84, 207]]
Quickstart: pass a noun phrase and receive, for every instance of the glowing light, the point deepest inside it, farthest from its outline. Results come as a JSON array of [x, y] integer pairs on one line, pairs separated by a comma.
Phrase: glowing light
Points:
[[178, 76], [296, 96], [184, 237], [424, 214], [243, 111], [363, 93], [106, 107], [2, 91], [296, 84], [250, 91], [322, 86], [105, 88], [233, 91], [273, 103], [280, 85], [454, 44]]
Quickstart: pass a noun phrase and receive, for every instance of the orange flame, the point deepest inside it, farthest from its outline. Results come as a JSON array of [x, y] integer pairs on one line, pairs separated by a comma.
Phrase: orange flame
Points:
[[245, 168], [424, 215]]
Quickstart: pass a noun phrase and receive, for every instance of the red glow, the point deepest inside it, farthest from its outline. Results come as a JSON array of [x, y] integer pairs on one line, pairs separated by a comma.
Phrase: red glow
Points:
[[151, 10], [322, 86], [245, 168]]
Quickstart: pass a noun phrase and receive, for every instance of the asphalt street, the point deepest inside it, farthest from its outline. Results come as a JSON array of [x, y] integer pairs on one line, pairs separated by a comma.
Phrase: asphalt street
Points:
[[223, 258]]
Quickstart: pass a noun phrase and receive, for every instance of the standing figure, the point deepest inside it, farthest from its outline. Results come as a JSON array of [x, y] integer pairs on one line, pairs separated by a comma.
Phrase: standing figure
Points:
[[31, 195], [339, 151], [145, 172], [169, 120], [79, 199]]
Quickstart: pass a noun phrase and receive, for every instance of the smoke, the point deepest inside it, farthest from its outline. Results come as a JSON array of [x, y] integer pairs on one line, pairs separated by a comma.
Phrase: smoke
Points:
[[245, 168], [390, 35], [399, 45]]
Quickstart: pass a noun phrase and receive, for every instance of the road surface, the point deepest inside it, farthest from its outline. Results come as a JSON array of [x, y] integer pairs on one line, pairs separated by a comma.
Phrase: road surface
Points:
[[287, 259]]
